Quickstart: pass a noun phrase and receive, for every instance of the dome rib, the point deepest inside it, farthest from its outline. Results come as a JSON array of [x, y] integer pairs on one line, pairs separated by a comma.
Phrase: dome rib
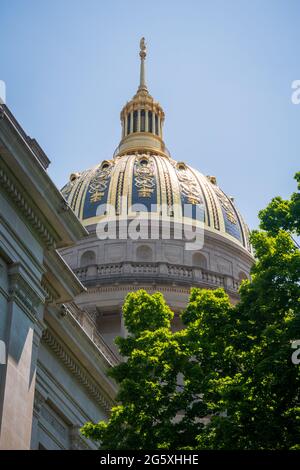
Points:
[[151, 180]]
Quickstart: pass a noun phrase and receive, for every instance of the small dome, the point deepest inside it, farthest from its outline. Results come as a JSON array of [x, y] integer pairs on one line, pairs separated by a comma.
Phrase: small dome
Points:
[[134, 183]]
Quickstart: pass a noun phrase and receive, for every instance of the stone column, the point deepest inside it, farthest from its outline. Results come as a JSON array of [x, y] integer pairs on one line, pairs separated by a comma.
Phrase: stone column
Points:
[[123, 128], [39, 400], [146, 121], [153, 122], [23, 333], [139, 121], [131, 122], [126, 125]]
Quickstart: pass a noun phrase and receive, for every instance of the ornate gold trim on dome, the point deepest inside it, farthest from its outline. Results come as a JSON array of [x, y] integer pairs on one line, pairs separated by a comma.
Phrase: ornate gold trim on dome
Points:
[[144, 176], [143, 173], [99, 181], [231, 216], [188, 185]]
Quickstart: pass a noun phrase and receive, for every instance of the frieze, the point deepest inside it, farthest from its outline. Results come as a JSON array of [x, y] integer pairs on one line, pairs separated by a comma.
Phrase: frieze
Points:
[[19, 290], [76, 370], [26, 209]]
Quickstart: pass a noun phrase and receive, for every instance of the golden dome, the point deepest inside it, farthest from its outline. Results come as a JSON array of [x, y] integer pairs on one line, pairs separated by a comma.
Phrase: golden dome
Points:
[[147, 182], [142, 178]]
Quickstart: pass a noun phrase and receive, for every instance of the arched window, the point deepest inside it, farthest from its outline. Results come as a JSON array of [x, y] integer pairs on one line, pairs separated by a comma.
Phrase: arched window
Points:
[[128, 123], [156, 125], [150, 127], [199, 260], [142, 120], [144, 253], [87, 258], [135, 121]]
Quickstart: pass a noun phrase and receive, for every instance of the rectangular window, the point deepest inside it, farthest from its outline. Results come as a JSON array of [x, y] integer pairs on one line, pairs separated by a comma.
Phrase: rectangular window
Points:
[[128, 123], [156, 125], [135, 120], [150, 127], [142, 120]]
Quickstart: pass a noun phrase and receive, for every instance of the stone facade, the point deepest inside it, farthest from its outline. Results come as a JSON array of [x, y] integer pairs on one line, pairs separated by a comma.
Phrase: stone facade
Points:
[[53, 379]]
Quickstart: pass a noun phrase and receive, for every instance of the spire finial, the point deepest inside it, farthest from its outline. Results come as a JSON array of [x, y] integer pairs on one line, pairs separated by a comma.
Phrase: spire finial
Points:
[[143, 54]]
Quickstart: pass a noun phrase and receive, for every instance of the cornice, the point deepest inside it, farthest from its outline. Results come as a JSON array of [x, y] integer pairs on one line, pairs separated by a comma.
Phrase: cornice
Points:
[[77, 370], [52, 294], [16, 194], [27, 162], [21, 292]]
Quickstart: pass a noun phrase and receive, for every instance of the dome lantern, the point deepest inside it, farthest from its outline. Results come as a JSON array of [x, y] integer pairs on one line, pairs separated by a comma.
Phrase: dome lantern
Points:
[[142, 118]]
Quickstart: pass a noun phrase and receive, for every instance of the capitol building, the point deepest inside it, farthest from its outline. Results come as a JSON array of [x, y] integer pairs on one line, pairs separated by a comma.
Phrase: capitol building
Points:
[[139, 219]]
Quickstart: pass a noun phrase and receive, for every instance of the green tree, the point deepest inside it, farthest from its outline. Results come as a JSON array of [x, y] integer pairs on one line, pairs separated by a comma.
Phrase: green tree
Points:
[[258, 404], [282, 214], [149, 395], [226, 380]]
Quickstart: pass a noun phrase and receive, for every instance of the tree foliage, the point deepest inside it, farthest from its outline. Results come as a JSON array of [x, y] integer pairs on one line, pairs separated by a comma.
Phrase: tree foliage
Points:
[[226, 379]]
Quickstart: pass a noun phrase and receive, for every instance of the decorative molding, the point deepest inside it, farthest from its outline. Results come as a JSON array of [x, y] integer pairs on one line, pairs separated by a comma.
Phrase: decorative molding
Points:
[[74, 367], [39, 401], [149, 271], [55, 423], [76, 441], [52, 294], [4, 293], [212, 204], [89, 326], [188, 185], [144, 175], [20, 291], [16, 195], [226, 205], [99, 181]]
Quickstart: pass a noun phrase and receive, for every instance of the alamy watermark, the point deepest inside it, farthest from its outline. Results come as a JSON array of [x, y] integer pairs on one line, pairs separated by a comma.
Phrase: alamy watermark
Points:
[[295, 97], [2, 92], [181, 222], [295, 344]]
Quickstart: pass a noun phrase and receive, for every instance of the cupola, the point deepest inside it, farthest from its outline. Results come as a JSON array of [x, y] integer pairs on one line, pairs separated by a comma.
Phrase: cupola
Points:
[[142, 118]]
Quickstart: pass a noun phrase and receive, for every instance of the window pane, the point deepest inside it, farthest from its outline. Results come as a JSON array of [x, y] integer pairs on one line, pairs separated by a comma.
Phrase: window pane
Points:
[[156, 124], [135, 119], [142, 120], [128, 123], [150, 127]]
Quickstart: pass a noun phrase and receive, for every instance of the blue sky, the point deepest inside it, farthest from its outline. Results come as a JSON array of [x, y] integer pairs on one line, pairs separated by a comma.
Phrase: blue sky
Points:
[[222, 70]]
